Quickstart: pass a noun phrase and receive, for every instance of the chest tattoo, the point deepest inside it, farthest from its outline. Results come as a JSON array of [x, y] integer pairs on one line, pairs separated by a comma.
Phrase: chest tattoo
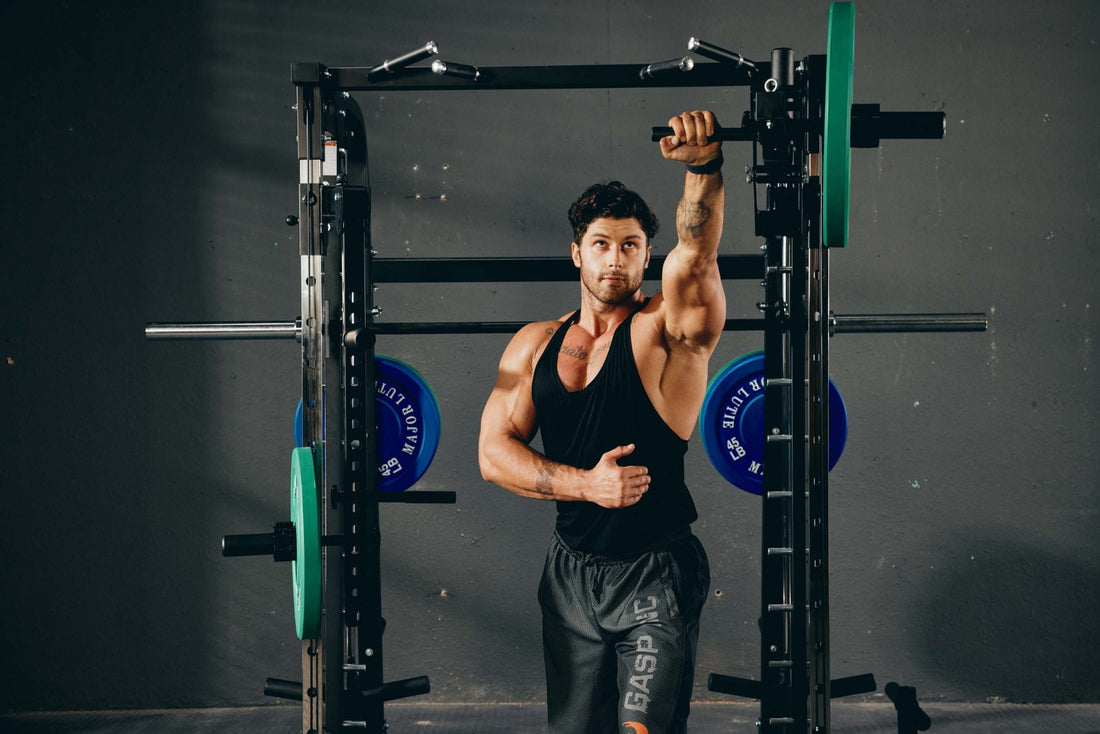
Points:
[[576, 352]]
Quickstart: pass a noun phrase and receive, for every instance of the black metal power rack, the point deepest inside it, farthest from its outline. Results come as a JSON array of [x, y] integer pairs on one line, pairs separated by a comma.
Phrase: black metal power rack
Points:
[[343, 686]]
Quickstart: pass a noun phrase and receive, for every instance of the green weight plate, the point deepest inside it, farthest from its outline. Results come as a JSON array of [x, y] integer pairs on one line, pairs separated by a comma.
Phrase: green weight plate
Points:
[[836, 160], [306, 566]]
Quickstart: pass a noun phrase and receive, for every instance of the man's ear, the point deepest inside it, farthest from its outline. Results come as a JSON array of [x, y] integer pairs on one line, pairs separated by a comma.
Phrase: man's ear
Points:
[[648, 252], [576, 251]]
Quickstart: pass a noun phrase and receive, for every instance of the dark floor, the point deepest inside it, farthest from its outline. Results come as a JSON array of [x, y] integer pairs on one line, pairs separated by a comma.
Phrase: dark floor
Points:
[[848, 718]]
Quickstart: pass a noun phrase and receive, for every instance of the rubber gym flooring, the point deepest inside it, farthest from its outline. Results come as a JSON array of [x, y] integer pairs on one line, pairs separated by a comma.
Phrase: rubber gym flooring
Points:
[[409, 718]]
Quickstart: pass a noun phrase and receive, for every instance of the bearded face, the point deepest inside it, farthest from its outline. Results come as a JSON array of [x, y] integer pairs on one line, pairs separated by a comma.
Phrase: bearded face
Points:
[[612, 257]]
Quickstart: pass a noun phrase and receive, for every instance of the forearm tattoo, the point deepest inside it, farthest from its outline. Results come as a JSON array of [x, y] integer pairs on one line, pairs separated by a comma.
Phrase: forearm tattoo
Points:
[[544, 481], [691, 217]]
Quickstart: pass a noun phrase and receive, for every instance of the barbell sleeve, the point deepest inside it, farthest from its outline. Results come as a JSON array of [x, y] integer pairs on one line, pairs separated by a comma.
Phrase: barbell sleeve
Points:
[[870, 125], [899, 323], [912, 125], [253, 544], [225, 330]]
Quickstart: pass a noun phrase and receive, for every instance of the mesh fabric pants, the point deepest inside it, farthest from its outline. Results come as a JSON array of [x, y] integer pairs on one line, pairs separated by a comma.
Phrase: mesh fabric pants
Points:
[[619, 637]]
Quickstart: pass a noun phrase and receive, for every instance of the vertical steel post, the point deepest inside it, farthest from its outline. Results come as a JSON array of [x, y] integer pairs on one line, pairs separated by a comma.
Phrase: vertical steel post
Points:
[[776, 602], [819, 487], [362, 598], [818, 308], [783, 675], [798, 326], [314, 348]]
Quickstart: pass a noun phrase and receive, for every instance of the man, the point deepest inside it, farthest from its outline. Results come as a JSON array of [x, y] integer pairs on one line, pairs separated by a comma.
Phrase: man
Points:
[[615, 389]]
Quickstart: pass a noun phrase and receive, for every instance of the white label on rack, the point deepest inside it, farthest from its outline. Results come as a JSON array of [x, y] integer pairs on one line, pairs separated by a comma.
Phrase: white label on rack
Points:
[[329, 168], [309, 171]]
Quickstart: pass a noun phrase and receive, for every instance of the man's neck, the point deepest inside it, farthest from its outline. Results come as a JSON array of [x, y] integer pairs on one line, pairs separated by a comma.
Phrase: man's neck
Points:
[[598, 318]]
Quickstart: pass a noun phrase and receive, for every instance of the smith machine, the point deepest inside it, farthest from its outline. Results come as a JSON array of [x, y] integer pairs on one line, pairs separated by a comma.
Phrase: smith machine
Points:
[[802, 124]]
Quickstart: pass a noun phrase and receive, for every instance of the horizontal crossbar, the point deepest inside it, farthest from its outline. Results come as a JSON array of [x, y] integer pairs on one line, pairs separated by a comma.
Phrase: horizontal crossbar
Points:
[[526, 269], [588, 76]]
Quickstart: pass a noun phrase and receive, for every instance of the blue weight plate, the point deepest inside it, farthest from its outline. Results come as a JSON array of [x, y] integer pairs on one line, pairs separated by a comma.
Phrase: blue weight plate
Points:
[[731, 422], [298, 439], [407, 415]]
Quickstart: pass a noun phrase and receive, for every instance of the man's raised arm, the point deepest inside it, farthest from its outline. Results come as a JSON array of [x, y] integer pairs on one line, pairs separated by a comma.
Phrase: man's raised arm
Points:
[[695, 303]]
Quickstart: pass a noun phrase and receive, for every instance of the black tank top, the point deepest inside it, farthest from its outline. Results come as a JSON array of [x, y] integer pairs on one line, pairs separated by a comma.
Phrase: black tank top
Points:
[[613, 410]]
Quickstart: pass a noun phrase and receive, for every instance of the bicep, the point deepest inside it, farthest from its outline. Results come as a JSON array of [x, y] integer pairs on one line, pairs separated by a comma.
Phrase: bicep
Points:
[[694, 302], [510, 412]]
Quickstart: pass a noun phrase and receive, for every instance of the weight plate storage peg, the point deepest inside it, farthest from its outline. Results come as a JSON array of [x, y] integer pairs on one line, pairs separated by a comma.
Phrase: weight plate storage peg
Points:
[[731, 423], [407, 414], [306, 567], [837, 145]]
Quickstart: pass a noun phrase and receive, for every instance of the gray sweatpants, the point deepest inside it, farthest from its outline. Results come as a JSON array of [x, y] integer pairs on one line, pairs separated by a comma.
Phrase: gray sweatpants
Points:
[[619, 637]]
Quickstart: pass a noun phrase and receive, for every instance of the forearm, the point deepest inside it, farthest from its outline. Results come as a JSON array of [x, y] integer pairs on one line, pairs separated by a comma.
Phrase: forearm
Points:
[[517, 467], [699, 216]]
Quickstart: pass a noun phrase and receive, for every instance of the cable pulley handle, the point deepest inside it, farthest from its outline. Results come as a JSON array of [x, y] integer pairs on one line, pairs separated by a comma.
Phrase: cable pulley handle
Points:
[[722, 133]]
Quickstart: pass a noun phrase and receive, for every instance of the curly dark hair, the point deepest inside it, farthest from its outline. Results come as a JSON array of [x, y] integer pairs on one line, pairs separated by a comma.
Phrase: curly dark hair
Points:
[[612, 200]]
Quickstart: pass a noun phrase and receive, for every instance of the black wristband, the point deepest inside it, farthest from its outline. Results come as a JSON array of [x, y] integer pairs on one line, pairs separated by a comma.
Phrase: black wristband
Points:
[[710, 166]]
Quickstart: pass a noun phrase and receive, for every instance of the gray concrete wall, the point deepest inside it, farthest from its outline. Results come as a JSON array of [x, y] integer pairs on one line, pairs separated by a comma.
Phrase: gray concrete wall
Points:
[[149, 162]]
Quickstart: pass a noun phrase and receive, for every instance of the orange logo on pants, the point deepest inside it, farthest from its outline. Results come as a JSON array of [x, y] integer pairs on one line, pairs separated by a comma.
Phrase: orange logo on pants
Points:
[[636, 728]]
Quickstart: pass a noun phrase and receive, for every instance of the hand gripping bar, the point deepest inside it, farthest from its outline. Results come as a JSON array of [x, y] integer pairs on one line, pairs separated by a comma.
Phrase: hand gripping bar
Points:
[[869, 126]]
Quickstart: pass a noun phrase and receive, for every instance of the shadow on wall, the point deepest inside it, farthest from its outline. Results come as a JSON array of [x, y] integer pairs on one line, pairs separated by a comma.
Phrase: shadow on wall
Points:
[[1017, 623]]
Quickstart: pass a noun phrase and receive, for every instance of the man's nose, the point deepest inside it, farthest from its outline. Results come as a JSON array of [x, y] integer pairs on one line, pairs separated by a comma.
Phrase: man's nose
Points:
[[615, 256]]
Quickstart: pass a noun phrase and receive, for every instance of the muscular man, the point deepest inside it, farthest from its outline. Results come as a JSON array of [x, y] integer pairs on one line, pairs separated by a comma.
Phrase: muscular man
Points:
[[615, 389]]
